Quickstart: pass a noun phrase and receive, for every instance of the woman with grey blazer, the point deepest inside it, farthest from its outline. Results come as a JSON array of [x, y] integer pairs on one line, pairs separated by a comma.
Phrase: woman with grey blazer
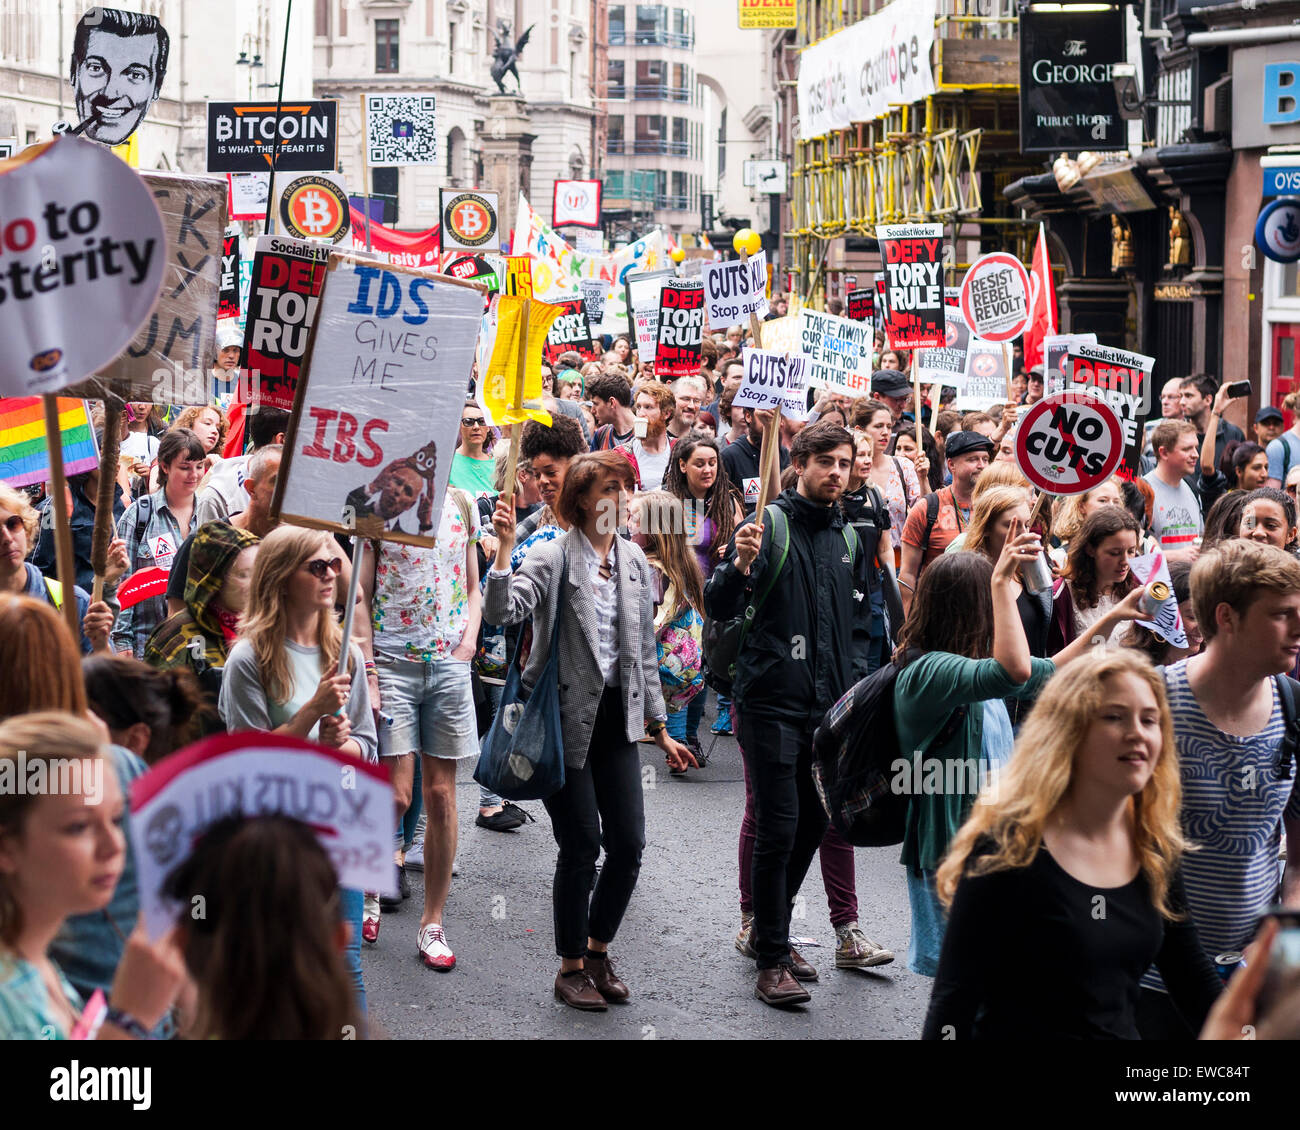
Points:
[[609, 696]]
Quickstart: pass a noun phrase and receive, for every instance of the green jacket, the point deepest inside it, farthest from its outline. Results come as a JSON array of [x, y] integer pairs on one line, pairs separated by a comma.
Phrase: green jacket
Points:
[[927, 691]]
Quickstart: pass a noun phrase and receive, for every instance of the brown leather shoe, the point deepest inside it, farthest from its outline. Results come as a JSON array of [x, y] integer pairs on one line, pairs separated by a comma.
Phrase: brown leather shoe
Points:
[[777, 987], [577, 990], [800, 968], [601, 972]]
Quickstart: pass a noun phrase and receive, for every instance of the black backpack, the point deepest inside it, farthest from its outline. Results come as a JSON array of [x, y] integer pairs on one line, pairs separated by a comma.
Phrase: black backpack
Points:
[[855, 751]]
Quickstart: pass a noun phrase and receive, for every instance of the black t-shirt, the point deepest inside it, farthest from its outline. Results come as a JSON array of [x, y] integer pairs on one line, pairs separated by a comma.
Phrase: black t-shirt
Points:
[[1033, 953], [741, 461]]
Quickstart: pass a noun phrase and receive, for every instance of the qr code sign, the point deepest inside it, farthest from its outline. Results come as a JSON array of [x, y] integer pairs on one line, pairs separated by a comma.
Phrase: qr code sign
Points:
[[401, 129]]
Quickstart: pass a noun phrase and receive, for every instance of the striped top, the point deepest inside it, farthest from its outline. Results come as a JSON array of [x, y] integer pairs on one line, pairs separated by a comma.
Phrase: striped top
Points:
[[1233, 805]]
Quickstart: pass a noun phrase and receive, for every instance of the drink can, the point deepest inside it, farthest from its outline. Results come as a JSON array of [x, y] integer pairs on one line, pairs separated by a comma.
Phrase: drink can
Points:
[[1226, 964], [1036, 575], [1157, 592]]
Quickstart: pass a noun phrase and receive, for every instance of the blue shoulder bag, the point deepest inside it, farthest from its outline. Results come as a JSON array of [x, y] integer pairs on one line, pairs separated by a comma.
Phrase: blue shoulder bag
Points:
[[522, 755]]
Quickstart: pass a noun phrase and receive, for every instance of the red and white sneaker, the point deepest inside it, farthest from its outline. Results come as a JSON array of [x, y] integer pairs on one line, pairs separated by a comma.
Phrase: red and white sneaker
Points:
[[370, 930], [434, 948]]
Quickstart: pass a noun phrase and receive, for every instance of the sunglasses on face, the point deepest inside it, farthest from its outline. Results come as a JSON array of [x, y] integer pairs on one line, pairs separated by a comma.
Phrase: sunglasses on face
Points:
[[13, 523], [319, 567], [473, 422]]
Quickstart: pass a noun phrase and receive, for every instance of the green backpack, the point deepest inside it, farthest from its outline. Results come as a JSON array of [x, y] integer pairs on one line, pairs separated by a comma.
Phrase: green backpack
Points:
[[724, 639]]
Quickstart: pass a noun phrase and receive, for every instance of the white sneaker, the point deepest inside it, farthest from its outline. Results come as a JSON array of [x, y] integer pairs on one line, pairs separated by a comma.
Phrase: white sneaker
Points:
[[415, 857], [434, 948]]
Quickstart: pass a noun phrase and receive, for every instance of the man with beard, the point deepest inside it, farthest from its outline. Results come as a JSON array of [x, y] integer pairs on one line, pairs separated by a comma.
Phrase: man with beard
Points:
[[800, 552], [119, 61], [654, 405]]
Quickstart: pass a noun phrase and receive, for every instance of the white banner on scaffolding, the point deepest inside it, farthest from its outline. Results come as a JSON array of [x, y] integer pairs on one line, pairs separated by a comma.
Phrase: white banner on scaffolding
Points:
[[856, 74]]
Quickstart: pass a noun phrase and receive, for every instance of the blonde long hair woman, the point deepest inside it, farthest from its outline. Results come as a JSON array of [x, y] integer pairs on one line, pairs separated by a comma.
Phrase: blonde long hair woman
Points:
[[1073, 850], [281, 675]]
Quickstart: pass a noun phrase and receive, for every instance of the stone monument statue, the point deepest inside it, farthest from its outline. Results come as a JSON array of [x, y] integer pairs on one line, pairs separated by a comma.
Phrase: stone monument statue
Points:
[[506, 54]]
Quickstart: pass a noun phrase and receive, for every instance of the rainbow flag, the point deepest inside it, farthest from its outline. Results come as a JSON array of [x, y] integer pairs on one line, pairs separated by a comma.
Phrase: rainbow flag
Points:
[[23, 455]]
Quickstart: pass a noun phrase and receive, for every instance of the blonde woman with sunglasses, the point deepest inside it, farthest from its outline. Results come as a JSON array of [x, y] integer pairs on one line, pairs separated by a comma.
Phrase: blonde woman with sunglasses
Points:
[[282, 675]]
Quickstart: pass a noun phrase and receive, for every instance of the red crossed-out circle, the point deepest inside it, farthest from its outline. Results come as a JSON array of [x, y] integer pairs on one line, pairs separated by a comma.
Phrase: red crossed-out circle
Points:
[[1044, 449]]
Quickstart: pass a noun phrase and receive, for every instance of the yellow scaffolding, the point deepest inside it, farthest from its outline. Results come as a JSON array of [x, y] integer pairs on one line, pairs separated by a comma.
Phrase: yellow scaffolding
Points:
[[920, 162]]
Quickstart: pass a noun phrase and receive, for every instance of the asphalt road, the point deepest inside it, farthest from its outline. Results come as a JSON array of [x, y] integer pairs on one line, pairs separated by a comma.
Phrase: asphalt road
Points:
[[674, 949]]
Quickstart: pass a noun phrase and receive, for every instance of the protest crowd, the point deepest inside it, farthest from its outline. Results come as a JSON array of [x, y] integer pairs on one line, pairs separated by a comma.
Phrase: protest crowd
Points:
[[1035, 627], [627, 542]]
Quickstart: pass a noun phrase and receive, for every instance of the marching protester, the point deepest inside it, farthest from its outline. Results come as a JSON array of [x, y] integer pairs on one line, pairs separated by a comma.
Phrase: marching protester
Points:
[[1096, 577], [255, 980], [472, 467], [655, 404], [62, 853], [962, 651], [152, 713], [199, 636], [711, 508], [740, 458], [1087, 809], [209, 424], [18, 576], [224, 494], [1074, 509], [592, 588], [897, 478], [678, 584], [935, 520], [815, 596], [688, 395], [1176, 518], [418, 630], [1269, 516], [153, 528], [1229, 727], [282, 673], [611, 404]]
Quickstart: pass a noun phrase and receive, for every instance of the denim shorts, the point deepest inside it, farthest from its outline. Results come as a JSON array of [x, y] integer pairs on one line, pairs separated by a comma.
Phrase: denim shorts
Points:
[[431, 706]]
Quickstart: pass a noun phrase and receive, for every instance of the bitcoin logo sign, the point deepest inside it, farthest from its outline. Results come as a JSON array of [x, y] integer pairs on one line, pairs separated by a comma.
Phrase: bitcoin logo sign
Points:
[[315, 207], [469, 220]]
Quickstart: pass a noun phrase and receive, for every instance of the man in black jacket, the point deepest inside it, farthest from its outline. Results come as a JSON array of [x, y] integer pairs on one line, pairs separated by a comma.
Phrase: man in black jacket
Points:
[[803, 650]]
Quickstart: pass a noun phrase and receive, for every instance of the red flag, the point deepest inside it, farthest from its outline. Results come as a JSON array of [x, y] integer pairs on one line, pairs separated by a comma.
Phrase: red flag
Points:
[[1042, 303]]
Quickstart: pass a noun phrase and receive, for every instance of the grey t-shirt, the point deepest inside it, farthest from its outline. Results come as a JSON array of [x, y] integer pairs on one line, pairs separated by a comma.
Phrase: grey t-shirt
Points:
[[1176, 517], [244, 706]]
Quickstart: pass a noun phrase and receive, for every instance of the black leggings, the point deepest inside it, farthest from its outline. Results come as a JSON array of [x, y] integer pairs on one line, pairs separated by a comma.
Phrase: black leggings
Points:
[[601, 803]]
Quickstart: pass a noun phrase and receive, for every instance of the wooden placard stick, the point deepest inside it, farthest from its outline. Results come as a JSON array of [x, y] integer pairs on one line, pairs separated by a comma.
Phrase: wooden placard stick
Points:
[[108, 464], [517, 427], [767, 456], [62, 530]]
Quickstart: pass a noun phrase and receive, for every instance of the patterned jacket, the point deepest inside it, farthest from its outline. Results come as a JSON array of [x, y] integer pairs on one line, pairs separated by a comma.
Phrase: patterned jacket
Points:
[[193, 637], [538, 589]]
